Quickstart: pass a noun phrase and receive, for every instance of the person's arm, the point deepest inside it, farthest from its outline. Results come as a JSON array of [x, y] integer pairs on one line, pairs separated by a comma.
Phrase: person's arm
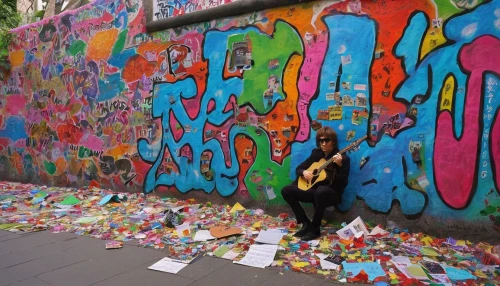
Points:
[[306, 164], [342, 175]]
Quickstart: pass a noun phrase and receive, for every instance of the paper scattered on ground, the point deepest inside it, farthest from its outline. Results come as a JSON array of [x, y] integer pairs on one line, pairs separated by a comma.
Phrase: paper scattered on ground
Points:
[[168, 265], [373, 269], [142, 220], [259, 256], [203, 235], [270, 236]]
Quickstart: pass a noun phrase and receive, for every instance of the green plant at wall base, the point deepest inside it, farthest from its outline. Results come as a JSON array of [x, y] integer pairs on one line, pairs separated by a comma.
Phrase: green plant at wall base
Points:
[[9, 19]]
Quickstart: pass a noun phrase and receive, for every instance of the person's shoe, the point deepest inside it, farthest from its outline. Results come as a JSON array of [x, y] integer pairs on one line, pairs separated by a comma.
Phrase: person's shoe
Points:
[[312, 233], [302, 230]]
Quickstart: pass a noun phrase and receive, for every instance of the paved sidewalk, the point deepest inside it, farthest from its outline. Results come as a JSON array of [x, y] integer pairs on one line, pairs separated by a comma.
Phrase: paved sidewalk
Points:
[[45, 258]]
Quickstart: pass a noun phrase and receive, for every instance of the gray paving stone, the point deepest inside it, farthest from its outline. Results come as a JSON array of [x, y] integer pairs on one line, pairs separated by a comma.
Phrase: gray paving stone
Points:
[[3, 252], [203, 266], [330, 283], [33, 281], [290, 278], [32, 240], [35, 267], [18, 257], [234, 275], [9, 237], [110, 263], [143, 276], [4, 232]]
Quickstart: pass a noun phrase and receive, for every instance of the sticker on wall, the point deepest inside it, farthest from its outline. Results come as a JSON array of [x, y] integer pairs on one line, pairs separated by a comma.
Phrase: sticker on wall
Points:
[[359, 86], [330, 96], [315, 125], [322, 115], [273, 64], [350, 135], [346, 85], [346, 59], [356, 118], [241, 55], [331, 85], [347, 100], [337, 96], [277, 152], [335, 112], [286, 131], [361, 100], [179, 58]]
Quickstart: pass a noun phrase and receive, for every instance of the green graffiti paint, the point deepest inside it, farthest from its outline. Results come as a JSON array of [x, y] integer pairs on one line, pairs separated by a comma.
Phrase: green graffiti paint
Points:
[[120, 42], [50, 167]]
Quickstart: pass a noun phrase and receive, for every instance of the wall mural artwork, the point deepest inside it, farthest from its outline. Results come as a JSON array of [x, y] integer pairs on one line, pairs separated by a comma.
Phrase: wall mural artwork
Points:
[[163, 9], [229, 107]]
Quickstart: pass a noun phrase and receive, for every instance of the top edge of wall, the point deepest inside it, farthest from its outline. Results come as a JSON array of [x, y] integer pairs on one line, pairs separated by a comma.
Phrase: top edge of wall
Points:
[[227, 10]]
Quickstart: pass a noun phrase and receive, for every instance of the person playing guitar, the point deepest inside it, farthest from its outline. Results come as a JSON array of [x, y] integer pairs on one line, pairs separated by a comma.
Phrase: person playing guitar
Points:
[[322, 193]]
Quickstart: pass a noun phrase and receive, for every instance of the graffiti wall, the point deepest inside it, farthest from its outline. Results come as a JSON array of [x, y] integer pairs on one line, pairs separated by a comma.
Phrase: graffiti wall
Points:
[[229, 107], [163, 9]]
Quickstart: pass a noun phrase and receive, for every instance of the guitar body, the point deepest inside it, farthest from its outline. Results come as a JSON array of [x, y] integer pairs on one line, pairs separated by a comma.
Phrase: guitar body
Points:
[[321, 174], [320, 178]]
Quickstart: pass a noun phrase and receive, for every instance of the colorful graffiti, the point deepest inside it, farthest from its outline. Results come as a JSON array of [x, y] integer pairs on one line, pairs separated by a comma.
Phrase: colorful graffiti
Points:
[[229, 106], [163, 9]]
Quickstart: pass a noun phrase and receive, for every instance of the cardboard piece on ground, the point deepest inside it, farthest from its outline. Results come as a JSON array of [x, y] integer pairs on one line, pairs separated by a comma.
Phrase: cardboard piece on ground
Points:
[[224, 231]]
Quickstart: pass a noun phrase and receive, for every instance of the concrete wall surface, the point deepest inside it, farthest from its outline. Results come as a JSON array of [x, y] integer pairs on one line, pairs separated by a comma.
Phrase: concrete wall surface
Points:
[[225, 110]]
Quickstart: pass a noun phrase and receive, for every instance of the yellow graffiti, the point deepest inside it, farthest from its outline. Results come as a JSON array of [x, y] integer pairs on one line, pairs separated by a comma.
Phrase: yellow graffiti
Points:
[[433, 39], [447, 94]]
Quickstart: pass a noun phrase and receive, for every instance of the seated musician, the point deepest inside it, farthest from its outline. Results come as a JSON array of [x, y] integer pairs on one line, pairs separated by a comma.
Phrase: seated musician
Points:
[[322, 194]]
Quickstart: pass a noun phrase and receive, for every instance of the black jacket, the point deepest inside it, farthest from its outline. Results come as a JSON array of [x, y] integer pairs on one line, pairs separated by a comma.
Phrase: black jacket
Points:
[[342, 173]]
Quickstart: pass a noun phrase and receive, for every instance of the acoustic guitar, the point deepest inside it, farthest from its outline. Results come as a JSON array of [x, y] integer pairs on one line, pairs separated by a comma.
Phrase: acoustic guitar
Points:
[[320, 175]]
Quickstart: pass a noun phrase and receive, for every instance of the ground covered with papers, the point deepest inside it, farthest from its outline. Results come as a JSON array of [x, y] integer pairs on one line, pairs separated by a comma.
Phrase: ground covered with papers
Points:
[[354, 252]]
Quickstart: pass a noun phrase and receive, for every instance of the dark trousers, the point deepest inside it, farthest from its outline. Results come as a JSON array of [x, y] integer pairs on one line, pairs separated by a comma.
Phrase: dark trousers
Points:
[[321, 197]]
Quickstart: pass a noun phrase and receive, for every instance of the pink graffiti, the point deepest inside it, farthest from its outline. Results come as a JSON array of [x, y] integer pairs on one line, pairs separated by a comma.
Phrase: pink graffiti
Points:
[[309, 76], [15, 104], [455, 160], [92, 142]]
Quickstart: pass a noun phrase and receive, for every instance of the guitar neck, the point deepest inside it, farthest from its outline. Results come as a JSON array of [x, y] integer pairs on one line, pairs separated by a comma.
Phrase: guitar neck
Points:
[[352, 145]]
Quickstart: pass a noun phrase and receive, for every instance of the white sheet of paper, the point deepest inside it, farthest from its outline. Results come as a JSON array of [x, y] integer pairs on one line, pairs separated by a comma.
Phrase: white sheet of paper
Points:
[[176, 209], [378, 230], [168, 265], [358, 225], [326, 265], [270, 236], [401, 262], [345, 232], [230, 255], [203, 235], [259, 256]]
